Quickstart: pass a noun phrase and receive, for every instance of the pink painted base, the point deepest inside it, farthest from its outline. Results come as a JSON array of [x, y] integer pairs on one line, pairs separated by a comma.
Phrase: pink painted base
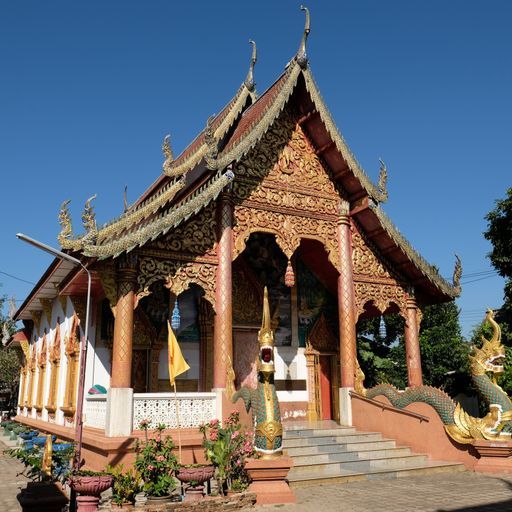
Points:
[[268, 480], [495, 456]]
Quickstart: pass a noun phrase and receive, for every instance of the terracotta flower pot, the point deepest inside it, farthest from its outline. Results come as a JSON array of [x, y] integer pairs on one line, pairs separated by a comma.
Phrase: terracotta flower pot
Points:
[[89, 489], [199, 474]]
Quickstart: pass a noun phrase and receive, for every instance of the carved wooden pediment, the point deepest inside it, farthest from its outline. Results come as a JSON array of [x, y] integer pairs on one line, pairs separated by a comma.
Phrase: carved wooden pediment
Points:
[[321, 338]]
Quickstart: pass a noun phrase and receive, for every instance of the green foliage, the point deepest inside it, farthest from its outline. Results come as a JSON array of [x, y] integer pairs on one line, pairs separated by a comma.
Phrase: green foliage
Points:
[[499, 233], [155, 462], [32, 459], [126, 484], [9, 362], [444, 353], [375, 352], [226, 448]]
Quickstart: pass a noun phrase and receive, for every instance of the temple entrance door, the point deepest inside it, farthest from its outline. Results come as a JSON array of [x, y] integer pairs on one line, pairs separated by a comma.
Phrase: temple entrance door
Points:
[[325, 387]]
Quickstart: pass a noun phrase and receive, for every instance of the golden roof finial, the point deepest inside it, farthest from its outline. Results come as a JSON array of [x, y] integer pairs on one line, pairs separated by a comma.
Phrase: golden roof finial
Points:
[[302, 57], [249, 81], [89, 217], [66, 230], [383, 181], [212, 143], [457, 273]]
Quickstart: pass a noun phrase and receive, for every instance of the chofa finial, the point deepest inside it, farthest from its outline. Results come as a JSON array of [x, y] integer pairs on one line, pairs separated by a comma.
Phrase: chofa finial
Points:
[[212, 143], [302, 57], [66, 229], [89, 217], [457, 273], [383, 181], [249, 81]]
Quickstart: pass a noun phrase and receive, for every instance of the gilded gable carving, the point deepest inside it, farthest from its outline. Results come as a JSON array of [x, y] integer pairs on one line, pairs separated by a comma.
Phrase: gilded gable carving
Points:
[[286, 159], [364, 260], [288, 229], [197, 236], [381, 295], [178, 276]]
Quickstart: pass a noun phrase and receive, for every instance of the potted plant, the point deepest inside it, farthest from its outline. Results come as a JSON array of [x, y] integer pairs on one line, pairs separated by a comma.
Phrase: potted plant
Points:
[[125, 487], [195, 475], [89, 485], [227, 447], [156, 463], [44, 492]]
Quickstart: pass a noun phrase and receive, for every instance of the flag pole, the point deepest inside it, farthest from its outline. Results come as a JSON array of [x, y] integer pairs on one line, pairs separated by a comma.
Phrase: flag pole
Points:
[[177, 421]]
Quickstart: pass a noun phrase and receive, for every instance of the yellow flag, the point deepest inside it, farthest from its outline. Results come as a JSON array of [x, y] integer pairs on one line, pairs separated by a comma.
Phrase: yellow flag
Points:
[[177, 363]]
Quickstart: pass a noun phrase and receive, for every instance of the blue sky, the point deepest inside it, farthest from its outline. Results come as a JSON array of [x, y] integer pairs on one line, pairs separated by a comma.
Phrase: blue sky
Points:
[[89, 89]]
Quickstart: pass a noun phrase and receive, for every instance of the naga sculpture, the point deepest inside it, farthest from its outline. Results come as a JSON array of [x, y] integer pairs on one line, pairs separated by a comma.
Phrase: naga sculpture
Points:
[[459, 425], [268, 435]]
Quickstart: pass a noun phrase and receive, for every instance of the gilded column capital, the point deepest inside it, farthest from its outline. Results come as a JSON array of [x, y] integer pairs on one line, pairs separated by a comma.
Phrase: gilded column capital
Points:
[[344, 213]]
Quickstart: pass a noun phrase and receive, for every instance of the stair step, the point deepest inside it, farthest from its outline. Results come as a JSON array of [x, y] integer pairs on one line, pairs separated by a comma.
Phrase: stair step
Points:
[[330, 439], [339, 448], [360, 466], [317, 432], [348, 456], [306, 479]]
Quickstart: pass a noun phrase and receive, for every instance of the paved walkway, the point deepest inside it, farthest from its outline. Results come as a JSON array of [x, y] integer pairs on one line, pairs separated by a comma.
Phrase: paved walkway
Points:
[[10, 480], [449, 492]]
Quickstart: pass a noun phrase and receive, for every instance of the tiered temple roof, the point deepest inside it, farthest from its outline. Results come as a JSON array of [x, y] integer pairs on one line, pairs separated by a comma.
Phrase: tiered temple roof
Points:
[[199, 174]]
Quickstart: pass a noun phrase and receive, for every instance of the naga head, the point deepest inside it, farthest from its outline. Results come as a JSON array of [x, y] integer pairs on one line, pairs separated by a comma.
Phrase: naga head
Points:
[[266, 340], [490, 357]]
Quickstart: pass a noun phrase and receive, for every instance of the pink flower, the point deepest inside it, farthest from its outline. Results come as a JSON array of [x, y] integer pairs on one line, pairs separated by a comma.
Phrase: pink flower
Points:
[[160, 458], [151, 467], [214, 423], [213, 436], [238, 462], [235, 434]]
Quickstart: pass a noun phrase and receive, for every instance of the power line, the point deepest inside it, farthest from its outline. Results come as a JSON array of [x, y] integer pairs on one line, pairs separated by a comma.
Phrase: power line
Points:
[[17, 278]]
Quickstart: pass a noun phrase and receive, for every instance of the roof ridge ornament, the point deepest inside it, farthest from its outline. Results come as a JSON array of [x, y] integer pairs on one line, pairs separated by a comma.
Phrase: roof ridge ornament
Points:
[[302, 56], [249, 81], [457, 274], [167, 151], [89, 217], [212, 143], [383, 181], [66, 228]]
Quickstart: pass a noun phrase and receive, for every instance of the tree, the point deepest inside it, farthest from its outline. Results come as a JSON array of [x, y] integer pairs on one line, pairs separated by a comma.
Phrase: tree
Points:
[[444, 352], [499, 233], [9, 362]]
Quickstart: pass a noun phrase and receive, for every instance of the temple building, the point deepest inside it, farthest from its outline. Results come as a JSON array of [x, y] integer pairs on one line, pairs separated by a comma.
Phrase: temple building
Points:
[[268, 194]]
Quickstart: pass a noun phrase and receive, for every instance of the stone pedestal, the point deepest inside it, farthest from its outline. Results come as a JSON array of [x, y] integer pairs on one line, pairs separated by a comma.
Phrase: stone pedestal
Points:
[[495, 456], [268, 480], [345, 407], [119, 418]]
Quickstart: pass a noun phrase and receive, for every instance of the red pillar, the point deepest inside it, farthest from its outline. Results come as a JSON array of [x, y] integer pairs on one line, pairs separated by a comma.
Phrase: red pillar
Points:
[[346, 304], [412, 344], [121, 375], [223, 329]]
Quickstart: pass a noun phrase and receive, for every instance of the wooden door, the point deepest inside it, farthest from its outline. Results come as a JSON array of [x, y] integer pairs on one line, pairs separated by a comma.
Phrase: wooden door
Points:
[[325, 387], [140, 371]]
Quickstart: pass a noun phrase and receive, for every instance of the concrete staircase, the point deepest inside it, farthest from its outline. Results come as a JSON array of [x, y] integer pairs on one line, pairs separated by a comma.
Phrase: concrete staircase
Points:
[[327, 452]]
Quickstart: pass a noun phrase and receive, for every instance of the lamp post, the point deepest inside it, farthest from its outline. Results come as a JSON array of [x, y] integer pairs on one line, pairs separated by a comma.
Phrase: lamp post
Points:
[[83, 343]]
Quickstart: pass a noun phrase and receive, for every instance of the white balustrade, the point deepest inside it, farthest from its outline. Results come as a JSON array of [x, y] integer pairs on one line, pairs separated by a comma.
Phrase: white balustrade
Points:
[[95, 411], [194, 409]]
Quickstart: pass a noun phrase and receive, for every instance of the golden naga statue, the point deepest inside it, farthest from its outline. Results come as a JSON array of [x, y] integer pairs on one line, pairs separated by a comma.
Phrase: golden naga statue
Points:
[[486, 364]]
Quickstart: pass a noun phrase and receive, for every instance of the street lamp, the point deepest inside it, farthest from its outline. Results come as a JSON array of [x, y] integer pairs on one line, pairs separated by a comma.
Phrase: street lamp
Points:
[[83, 343]]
